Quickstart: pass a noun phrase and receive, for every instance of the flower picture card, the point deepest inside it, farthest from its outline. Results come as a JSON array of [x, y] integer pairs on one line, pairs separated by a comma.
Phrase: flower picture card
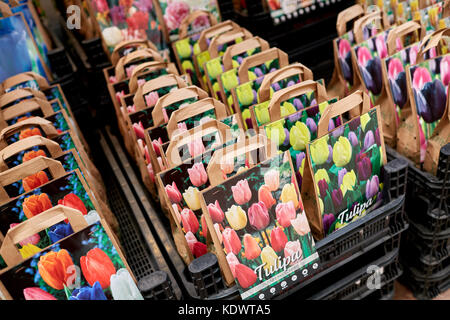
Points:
[[87, 265], [263, 239]]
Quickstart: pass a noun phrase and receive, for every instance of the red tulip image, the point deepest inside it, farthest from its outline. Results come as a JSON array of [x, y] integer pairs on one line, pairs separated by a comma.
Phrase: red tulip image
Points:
[[199, 249], [33, 154], [189, 221], [37, 294], [245, 276], [231, 241], [278, 239], [29, 133], [34, 181], [138, 21], [265, 195], [241, 192], [97, 266], [54, 268], [73, 201], [216, 212], [285, 213], [173, 193], [197, 174], [258, 215], [251, 247], [191, 240], [204, 226], [35, 204]]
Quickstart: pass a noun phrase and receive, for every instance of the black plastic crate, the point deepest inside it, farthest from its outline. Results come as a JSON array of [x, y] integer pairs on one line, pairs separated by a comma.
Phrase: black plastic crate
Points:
[[423, 287], [95, 53], [430, 243], [427, 198], [386, 292]]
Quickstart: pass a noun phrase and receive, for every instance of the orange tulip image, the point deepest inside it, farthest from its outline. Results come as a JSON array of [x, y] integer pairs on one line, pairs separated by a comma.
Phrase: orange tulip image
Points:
[[35, 204], [97, 266], [29, 133], [33, 154], [55, 268], [251, 247], [34, 181]]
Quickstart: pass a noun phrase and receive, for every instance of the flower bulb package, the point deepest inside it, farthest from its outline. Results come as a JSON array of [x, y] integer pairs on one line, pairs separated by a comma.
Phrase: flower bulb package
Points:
[[428, 16], [126, 64], [188, 47], [282, 10], [260, 231], [232, 57], [119, 21], [343, 190], [18, 49], [86, 265]]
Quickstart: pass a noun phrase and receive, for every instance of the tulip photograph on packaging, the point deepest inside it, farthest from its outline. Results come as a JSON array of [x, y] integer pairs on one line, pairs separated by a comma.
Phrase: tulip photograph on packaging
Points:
[[349, 186], [259, 220], [84, 266]]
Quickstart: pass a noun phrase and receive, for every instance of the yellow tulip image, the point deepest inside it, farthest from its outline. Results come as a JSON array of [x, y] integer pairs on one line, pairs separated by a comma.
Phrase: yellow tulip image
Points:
[[235, 64], [348, 182], [246, 115], [365, 118], [245, 94], [342, 152], [214, 68], [288, 193], [192, 198], [183, 48], [275, 132], [320, 151], [29, 250], [196, 49], [187, 65], [262, 112], [287, 108], [236, 217], [251, 76], [269, 257], [299, 136], [229, 80], [321, 206], [321, 174]]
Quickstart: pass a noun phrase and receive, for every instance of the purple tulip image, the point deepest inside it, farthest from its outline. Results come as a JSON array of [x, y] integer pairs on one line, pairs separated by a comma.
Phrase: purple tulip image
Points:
[[330, 154], [372, 187], [370, 70], [299, 159], [295, 117], [328, 220], [337, 198], [276, 86], [290, 83], [352, 138], [331, 125], [397, 81], [341, 175], [345, 60], [286, 140], [311, 124], [369, 139], [258, 72], [377, 137], [239, 60], [313, 110], [338, 131], [323, 187], [354, 124], [364, 168], [298, 104]]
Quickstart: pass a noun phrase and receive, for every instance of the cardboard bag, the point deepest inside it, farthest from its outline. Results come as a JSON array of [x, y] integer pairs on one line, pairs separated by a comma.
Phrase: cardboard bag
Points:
[[15, 96], [259, 229], [95, 265], [348, 187], [128, 46], [14, 113], [126, 64]]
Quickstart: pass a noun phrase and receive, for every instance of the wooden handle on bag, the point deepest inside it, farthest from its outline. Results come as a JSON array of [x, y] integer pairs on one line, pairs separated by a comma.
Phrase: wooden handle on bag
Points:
[[295, 91], [229, 153], [365, 20], [11, 254], [26, 106], [213, 31], [23, 77], [45, 125], [184, 25], [240, 48], [284, 73], [155, 84], [175, 96], [173, 153], [17, 94], [135, 56], [115, 56], [347, 15], [194, 109], [431, 41], [358, 99], [225, 38], [260, 58], [27, 169], [400, 32], [53, 148]]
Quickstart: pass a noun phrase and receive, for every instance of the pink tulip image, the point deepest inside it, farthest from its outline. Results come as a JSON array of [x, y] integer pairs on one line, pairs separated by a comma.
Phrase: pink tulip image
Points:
[[344, 48], [129, 70], [251, 247], [231, 241], [165, 116], [34, 239], [141, 82], [413, 54], [176, 11], [191, 240], [278, 239], [394, 68], [216, 212], [245, 276], [241, 192], [372, 187], [36, 293], [420, 77], [131, 109], [197, 174], [445, 70], [381, 47], [272, 179], [291, 248], [258, 215], [173, 193], [139, 130], [151, 173], [156, 144], [300, 224], [196, 147], [189, 221], [119, 95], [227, 167], [182, 127], [218, 232], [265, 195], [232, 262], [151, 99], [285, 213], [364, 56]]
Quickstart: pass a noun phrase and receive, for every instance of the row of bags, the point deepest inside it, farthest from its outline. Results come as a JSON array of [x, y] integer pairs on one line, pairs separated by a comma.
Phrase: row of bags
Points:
[[59, 239], [255, 181], [404, 70]]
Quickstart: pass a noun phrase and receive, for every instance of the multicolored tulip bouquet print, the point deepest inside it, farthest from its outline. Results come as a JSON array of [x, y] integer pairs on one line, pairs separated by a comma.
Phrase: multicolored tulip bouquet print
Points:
[[293, 133], [430, 81], [84, 266], [349, 186], [121, 20], [174, 11], [260, 223]]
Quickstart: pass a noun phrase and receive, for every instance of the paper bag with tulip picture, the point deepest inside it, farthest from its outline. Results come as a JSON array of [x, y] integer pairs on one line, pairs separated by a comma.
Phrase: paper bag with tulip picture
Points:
[[260, 231], [86, 265], [344, 166]]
